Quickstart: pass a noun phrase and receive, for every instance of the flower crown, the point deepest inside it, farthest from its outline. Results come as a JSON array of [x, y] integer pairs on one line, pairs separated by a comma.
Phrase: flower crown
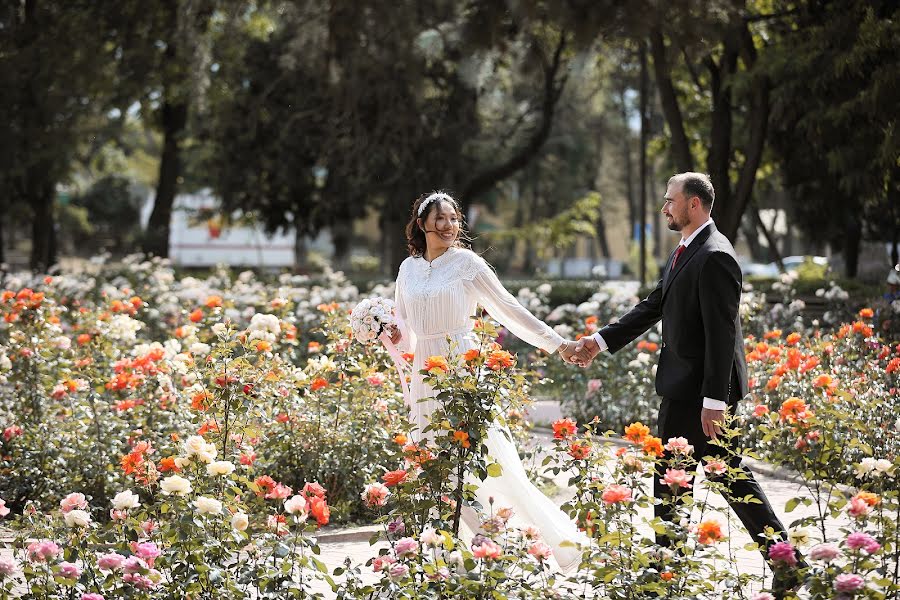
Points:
[[432, 198]]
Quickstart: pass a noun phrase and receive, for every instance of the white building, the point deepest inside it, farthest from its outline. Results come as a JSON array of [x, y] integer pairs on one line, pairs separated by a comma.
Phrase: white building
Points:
[[198, 239]]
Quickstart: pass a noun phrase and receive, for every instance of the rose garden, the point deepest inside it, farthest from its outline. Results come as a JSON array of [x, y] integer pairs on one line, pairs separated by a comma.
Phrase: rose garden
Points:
[[186, 437]]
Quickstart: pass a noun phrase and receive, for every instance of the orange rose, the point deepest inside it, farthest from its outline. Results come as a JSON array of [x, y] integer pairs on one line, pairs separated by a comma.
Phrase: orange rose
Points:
[[709, 532], [196, 316], [400, 439], [637, 433], [213, 301], [498, 360], [392, 478], [653, 446], [793, 409], [318, 383], [579, 450], [823, 381], [471, 355], [462, 438], [564, 428], [771, 335], [793, 338], [436, 365], [866, 313]]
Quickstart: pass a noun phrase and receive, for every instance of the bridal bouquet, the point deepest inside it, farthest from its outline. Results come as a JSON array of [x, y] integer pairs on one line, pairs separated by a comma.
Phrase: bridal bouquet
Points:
[[371, 318]]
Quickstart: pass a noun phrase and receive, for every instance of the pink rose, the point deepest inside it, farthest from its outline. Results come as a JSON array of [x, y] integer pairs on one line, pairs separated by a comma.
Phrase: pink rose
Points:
[[376, 379], [540, 550], [92, 596], [69, 570], [859, 540], [146, 550], [615, 494], [763, 596], [849, 582], [73, 501], [406, 546], [783, 552], [858, 508], [43, 550], [676, 478], [7, 567], [382, 562], [111, 562], [11, 432], [134, 564], [715, 467], [3, 510], [824, 552], [399, 571], [487, 550], [375, 494], [679, 445]]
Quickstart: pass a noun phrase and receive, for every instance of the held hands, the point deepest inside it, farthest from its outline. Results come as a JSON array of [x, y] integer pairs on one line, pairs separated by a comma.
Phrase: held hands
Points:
[[579, 353], [585, 351]]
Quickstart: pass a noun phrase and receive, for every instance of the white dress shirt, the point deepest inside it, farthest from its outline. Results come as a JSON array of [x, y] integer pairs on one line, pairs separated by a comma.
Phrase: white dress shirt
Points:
[[710, 403]]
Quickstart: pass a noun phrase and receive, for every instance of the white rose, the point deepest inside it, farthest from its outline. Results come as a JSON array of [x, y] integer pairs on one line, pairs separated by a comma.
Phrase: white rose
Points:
[[883, 466], [77, 518], [430, 537], [125, 500], [208, 506], [240, 521], [200, 349], [175, 484], [220, 329], [207, 454], [295, 504], [220, 467], [182, 462], [865, 466], [194, 444]]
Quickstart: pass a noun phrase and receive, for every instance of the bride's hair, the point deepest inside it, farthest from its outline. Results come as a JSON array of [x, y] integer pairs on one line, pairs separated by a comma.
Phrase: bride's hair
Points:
[[415, 236]]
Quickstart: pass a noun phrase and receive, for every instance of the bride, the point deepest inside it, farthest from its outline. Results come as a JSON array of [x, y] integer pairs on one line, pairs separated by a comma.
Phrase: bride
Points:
[[438, 288]]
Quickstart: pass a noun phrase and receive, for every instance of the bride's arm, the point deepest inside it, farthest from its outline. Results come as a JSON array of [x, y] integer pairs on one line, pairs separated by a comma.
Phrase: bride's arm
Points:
[[408, 339], [502, 306]]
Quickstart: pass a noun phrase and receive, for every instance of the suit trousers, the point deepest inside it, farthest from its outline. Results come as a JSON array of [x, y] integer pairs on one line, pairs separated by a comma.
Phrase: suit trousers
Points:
[[681, 418]]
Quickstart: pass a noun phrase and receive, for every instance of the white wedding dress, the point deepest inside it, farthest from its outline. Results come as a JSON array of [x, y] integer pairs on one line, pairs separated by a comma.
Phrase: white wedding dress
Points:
[[437, 300]]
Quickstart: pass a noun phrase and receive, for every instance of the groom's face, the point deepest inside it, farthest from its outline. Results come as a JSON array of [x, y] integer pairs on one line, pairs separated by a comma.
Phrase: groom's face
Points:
[[676, 207]]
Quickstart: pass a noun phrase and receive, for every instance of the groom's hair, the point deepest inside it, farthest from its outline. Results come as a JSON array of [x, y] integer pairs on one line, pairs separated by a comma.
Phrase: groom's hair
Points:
[[696, 184]]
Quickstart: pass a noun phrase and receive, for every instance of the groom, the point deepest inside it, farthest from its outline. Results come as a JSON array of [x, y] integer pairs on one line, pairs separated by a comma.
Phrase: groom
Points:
[[702, 371]]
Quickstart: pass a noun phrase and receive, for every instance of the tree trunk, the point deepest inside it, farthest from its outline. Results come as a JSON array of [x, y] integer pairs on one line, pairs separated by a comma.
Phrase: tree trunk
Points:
[[718, 161], [645, 85], [852, 238], [629, 168], [174, 120], [42, 245], [758, 124], [774, 254], [681, 147]]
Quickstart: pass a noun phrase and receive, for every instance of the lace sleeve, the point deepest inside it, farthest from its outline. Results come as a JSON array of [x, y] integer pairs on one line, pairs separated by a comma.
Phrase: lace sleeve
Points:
[[408, 341], [503, 307]]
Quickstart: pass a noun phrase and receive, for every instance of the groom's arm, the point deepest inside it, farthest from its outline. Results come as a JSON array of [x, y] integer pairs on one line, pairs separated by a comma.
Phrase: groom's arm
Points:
[[635, 322]]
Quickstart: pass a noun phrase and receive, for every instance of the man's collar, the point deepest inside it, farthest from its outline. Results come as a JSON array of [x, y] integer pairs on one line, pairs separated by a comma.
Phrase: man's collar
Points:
[[686, 242]]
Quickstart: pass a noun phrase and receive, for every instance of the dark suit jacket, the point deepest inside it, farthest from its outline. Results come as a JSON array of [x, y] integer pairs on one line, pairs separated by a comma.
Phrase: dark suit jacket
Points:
[[702, 353]]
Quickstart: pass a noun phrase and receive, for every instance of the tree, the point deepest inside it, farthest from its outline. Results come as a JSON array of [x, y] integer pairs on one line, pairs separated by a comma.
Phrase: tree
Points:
[[341, 106], [57, 67], [835, 122]]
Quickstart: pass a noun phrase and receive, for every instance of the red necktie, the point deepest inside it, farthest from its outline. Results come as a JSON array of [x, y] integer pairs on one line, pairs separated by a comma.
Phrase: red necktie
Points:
[[678, 252]]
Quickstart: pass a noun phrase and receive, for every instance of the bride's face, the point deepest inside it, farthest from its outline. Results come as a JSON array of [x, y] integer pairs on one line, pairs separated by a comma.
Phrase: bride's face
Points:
[[441, 226]]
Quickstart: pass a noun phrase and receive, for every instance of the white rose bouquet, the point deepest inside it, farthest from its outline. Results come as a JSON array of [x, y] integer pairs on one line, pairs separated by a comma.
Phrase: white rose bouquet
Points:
[[371, 318]]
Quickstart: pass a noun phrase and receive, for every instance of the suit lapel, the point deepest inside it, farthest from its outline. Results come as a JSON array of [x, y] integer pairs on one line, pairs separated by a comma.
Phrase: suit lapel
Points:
[[685, 257]]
